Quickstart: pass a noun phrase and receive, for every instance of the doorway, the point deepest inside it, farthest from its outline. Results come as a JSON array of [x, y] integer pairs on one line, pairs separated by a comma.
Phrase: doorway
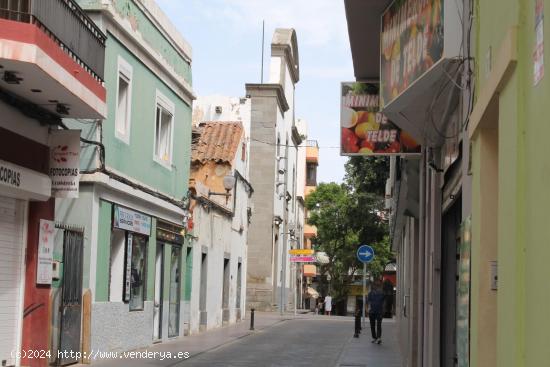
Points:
[[451, 226], [175, 292], [71, 298], [159, 280]]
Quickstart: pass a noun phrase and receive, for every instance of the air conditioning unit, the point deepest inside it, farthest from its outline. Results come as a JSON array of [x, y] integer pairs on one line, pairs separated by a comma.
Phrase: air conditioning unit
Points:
[[219, 109]]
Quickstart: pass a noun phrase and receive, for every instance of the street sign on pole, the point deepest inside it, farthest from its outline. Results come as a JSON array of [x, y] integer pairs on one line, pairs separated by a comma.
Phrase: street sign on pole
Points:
[[365, 254], [302, 259]]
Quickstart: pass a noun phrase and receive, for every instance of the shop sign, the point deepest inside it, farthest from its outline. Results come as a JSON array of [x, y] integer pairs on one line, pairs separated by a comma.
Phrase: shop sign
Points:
[[45, 252], [366, 131], [411, 43], [301, 251], [65, 163], [170, 232], [302, 259], [130, 220], [22, 183]]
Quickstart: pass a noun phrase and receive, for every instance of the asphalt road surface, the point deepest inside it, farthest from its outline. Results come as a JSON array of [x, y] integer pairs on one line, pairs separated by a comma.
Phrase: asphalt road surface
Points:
[[299, 342]]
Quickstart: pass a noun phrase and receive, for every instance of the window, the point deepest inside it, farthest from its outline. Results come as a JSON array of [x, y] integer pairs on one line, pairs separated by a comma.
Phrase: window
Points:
[[137, 258], [164, 126], [124, 98], [311, 174]]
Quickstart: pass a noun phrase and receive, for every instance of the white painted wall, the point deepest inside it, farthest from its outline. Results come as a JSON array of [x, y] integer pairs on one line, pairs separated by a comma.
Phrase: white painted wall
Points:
[[221, 234]]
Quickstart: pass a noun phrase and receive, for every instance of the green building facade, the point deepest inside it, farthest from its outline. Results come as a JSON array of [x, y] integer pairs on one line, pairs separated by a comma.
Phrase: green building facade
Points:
[[510, 159], [134, 184]]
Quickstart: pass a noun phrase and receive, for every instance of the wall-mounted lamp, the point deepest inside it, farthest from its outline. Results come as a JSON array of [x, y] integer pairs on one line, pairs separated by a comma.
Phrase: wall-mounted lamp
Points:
[[228, 184], [277, 220]]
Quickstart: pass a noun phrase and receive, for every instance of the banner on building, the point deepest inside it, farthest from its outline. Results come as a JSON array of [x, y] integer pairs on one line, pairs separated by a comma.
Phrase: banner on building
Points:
[[411, 43], [130, 220], [45, 252], [65, 163], [364, 130]]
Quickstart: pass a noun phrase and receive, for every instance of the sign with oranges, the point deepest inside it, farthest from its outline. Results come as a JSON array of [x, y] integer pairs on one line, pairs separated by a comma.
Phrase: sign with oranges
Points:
[[365, 130]]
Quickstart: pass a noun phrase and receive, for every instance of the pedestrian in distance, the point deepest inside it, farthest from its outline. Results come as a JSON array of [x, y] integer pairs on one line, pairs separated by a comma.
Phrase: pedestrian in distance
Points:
[[328, 304], [375, 301]]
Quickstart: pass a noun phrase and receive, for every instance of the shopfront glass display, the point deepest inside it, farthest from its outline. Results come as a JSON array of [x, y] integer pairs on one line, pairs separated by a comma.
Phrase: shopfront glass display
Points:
[[138, 246]]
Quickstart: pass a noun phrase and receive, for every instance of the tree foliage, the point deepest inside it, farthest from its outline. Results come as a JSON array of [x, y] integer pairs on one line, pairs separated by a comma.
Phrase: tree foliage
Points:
[[348, 215]]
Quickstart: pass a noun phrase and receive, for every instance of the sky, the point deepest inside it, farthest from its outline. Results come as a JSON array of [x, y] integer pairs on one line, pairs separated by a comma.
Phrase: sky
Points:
[[226, 38]]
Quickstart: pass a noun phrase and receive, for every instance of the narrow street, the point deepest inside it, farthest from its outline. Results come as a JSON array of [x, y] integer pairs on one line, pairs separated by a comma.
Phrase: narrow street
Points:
[[306, 340]]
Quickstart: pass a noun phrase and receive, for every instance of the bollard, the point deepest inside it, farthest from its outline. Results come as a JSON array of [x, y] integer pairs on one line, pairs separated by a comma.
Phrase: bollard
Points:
[[251, 319], [357, 325]]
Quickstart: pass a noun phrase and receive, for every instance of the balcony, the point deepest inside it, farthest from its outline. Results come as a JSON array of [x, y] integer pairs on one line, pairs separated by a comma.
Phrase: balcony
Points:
[[312, 151], [52, 54]]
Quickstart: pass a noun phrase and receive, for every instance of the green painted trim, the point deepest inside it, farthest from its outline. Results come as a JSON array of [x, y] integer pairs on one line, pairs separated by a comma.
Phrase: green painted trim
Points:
[[103, 252], [188, 274], [166, 285], [151, 257]]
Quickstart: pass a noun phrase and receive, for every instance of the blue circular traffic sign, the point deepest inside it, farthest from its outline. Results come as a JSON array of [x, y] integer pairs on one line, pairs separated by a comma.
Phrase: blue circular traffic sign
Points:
[[365, 254]]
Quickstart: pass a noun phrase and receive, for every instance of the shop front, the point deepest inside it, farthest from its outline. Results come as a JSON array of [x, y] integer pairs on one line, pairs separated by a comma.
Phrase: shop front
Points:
[[168, 292], [125, 321], [25, 192]]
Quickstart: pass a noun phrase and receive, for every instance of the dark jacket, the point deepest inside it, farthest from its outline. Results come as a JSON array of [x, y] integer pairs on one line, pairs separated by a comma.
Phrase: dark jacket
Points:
[[376, 302]]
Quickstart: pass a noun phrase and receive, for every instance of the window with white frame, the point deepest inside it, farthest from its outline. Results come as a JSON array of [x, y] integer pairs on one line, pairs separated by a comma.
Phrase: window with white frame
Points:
[[164, 128], [124, 99]]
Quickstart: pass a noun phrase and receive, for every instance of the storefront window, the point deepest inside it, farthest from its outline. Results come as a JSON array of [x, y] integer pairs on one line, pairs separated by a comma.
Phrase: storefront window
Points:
[[138, 245]]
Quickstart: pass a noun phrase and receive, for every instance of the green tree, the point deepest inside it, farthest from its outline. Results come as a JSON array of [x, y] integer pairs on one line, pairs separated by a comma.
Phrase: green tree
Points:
[[347, 216]]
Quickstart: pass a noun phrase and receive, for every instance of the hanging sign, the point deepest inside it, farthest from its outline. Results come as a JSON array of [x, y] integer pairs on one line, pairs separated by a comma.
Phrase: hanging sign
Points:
[[302, 259], [130, 220], [301, 251], [367, 131], [45, 252], [411, 43], [65, 163]]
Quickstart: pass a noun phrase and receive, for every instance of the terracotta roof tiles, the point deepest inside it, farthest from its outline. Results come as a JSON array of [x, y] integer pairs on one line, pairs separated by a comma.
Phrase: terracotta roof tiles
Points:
[[216, 141]]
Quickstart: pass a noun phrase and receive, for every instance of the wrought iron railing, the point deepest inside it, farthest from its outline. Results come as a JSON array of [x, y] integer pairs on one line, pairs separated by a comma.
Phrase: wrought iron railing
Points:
[[67, 24], [312, 143]]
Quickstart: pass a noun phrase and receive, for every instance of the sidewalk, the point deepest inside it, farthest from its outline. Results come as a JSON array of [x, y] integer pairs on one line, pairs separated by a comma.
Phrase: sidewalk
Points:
[[203, 342], [360, 352]]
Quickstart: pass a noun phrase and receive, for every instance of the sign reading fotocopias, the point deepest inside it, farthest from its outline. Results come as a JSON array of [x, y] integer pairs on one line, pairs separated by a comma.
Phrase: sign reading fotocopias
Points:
[[65, 163], [364, 129], [412, 42]]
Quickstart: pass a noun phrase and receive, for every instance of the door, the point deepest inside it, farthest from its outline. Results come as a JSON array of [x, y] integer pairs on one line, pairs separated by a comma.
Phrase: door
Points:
[[71, 297], [11, 262], [159, 280], [175, 292]]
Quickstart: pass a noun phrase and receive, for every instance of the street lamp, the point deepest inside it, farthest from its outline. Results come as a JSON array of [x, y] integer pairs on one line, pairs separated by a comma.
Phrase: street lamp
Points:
[[228, 184]]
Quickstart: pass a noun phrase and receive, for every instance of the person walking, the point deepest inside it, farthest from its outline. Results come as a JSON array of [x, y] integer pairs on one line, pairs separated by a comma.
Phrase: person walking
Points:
[[328, 304], [375, 301]]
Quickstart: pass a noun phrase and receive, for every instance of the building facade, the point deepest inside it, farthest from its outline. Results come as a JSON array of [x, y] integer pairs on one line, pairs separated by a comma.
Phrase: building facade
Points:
[[132, 204], [422, 59], [275, 142], [45, 76], [220, 211]]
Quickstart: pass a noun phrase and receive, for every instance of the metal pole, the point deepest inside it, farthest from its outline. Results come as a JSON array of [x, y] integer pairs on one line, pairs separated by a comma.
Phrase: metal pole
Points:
[[364, 290], [295, 288], [252, 319], [263, 42]]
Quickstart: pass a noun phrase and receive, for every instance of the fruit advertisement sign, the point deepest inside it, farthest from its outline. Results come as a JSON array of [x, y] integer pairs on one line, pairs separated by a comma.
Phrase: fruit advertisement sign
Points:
[[411, 43], [367, 131]]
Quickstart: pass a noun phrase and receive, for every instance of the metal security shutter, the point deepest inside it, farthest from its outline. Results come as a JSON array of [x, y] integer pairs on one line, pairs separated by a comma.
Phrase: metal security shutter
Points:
[[11, 259]]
